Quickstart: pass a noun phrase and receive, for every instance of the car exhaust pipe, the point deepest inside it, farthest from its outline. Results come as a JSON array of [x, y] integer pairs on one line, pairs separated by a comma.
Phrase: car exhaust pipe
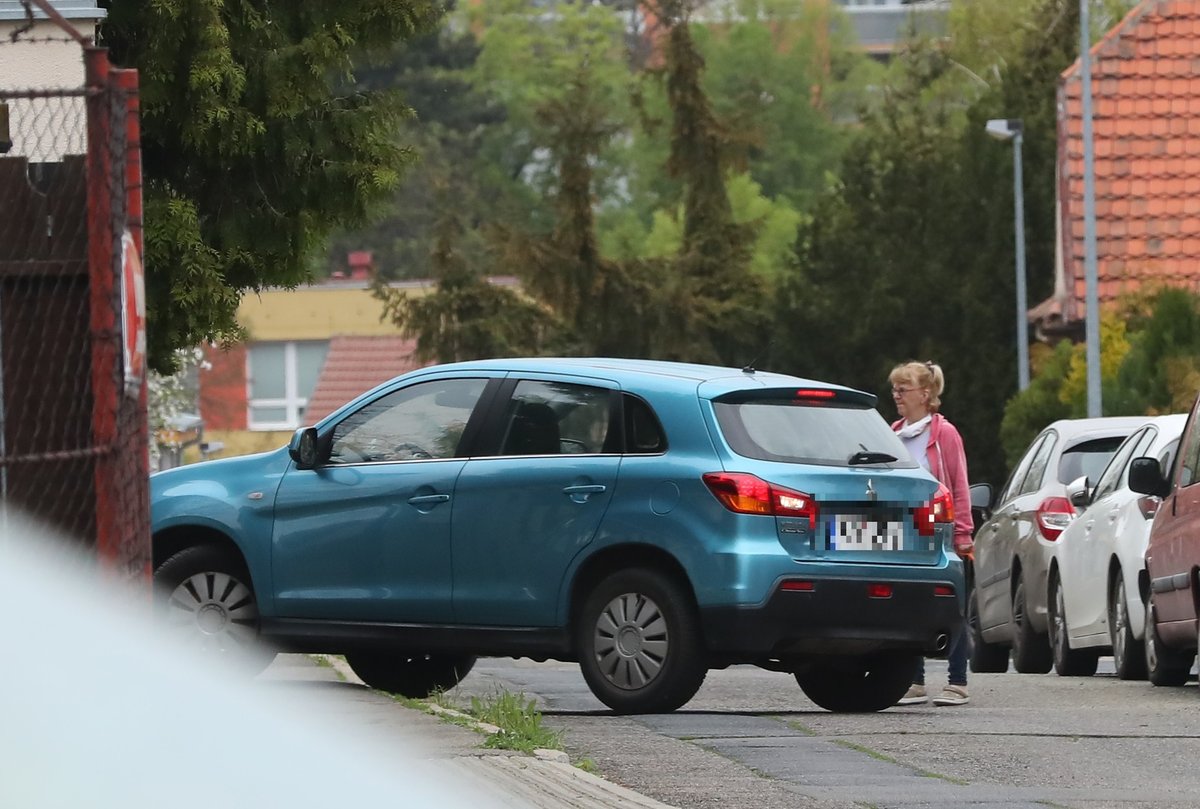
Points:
[[941, 642]]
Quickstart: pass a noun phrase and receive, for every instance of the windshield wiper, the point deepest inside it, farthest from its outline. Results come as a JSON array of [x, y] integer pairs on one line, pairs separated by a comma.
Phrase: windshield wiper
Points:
[[869, 456]]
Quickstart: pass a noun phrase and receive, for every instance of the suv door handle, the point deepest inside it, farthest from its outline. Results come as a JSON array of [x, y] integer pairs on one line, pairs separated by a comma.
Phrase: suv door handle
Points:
[[428, 499], [582, 492]]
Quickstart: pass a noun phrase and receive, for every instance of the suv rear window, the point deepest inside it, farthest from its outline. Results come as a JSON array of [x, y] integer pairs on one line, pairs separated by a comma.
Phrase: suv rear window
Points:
[[1088, 458], [798, 432]]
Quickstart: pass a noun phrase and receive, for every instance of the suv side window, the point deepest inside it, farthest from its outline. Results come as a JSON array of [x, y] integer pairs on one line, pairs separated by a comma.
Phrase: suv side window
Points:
[[1114, 473], [419, 422], [643, 432], [557, 418]]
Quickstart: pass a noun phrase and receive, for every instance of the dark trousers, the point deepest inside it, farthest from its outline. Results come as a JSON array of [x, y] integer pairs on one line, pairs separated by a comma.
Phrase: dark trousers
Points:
[[957, 660]]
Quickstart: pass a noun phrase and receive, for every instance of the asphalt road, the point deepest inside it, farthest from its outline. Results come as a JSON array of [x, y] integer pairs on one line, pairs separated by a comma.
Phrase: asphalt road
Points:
[[751, 739]]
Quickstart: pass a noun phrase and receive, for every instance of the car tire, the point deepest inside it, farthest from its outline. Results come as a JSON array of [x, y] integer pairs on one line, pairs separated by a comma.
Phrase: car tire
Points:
[[1068, 662], [1164, 666], [1030, 650], [1129, 653], [410, 675], [204, 593], [639, 642], [986, 658], [858, 685]]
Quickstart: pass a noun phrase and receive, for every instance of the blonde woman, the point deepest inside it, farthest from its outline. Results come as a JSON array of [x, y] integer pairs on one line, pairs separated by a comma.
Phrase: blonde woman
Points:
[[934, 443]]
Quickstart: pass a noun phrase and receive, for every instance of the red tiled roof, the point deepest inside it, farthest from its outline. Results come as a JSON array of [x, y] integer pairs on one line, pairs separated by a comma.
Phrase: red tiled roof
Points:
[[354, 365], [1146, 138]]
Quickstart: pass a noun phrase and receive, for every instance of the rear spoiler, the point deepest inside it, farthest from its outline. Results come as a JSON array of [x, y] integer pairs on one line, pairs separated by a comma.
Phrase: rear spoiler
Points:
[[808, 396]]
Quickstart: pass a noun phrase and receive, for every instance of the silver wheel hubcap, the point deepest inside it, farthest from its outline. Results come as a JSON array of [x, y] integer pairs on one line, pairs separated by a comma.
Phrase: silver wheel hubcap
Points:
[[215, 610], [630, 641]]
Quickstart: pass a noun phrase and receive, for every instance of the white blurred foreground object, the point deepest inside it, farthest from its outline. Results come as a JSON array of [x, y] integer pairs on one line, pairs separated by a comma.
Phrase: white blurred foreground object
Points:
[[101, 709]]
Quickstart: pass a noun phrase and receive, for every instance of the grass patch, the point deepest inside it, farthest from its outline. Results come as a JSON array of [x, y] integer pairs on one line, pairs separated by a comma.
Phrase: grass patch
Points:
[[587, 765], [805, 729], [325, 662], [519, 721]]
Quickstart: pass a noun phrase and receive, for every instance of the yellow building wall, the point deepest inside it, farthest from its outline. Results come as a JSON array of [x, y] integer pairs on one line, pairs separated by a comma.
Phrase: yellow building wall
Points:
[[319, 312]]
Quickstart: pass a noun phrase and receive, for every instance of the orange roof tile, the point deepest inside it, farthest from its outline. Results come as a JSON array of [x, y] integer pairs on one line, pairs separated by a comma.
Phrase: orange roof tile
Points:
[[354, 365], [1146, 135]]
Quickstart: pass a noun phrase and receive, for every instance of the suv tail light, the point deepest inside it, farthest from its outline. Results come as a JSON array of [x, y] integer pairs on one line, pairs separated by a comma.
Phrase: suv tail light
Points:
[[747, 494], [1053, 515], [939, 509]]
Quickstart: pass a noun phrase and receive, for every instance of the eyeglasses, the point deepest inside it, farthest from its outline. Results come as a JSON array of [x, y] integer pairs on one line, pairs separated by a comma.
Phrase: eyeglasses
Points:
[[901, 391]]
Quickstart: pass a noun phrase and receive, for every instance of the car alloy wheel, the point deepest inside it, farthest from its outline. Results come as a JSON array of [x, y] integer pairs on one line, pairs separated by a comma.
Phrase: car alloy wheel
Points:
[[1129, 656], [1068, 662]]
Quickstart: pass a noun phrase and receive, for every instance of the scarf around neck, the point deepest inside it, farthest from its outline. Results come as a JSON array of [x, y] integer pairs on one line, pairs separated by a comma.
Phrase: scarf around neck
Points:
[[916, 428]]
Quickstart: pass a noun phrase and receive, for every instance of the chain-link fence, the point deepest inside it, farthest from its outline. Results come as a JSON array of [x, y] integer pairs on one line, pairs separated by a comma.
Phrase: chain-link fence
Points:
[[72, 398]]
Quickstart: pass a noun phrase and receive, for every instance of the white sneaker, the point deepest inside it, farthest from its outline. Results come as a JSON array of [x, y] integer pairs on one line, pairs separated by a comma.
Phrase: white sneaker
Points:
[[914, 696], [952, 695]]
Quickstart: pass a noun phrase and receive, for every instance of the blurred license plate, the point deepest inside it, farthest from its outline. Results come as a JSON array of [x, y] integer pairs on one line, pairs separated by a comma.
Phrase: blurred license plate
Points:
[[850, 532]]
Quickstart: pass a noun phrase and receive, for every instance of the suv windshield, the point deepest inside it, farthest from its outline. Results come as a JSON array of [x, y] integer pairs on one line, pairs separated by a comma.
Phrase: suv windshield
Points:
[[1088, 458], [794, 432]]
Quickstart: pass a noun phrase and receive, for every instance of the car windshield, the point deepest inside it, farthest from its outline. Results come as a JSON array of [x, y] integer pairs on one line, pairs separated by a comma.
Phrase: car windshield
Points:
[[794, 432], [1088, 458]]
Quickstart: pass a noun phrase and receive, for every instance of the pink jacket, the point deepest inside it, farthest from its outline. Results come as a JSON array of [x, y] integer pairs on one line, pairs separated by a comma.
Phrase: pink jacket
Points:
[[948, 463]]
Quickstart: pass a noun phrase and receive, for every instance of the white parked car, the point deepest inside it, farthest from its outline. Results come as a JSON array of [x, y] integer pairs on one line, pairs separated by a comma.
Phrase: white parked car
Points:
[[1093, 594]]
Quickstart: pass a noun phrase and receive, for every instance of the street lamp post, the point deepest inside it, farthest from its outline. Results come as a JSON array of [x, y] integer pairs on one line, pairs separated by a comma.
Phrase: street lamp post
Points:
[[1011, 129]]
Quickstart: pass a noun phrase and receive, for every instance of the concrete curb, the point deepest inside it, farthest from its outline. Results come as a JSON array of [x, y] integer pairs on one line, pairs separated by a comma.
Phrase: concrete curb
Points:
[[546, 779]]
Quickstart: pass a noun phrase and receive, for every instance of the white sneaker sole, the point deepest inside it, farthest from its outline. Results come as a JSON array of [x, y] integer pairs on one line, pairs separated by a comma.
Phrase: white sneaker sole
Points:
[[913, 701]]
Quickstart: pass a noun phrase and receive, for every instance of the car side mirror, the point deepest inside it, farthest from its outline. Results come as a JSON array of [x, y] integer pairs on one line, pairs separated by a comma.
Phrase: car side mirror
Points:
[[981, 503], [1146, 477], [303, 447], [1079, 492], [981, 496]]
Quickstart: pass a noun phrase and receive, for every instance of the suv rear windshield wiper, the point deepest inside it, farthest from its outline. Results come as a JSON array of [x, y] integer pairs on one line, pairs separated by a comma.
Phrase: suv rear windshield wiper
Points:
[[869, 456]]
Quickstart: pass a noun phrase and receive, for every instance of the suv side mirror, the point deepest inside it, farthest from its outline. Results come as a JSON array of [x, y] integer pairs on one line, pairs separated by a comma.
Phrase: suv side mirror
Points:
[[1146, 477], [303, 447], [1079, 492]]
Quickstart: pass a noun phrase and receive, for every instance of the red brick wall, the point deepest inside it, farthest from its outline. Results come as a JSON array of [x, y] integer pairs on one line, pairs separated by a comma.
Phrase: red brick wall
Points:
[[223, 389]]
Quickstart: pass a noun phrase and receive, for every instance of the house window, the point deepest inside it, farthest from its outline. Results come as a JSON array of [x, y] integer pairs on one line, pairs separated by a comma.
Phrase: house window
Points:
[[280, 379]]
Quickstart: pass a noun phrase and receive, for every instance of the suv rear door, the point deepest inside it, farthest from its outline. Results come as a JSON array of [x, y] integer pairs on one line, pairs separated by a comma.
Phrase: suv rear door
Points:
[[532, 497]]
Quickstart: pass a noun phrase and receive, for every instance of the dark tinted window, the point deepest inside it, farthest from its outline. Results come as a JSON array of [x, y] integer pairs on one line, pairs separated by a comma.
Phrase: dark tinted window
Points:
[[1114, 474], [795, 432], [1088, 458], [556, 418], [643, 433], [1021, 470]]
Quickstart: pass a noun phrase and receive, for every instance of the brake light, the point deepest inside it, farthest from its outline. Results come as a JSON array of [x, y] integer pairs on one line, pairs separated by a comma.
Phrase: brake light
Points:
[[1053, 515], [879, 591], [815, 393], [943, 591], [748, 494], [939, 509], [795, 586]]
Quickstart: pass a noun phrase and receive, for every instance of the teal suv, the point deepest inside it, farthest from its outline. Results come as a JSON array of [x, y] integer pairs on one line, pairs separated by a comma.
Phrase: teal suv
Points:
[[649, 520]]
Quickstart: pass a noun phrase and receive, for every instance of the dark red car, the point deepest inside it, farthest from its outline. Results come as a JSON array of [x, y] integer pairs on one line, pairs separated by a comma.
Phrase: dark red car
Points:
[[1169, 585]]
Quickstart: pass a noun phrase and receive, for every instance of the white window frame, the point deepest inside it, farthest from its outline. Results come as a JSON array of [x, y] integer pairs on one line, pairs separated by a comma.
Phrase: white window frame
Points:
[[292, 401]]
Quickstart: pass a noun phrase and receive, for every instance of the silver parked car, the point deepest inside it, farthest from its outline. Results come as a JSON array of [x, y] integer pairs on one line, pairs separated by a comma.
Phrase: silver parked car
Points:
[[1095, 602], [1007, 607]]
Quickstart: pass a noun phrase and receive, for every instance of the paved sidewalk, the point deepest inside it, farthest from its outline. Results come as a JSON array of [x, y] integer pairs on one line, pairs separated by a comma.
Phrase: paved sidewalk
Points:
[[512, 779]]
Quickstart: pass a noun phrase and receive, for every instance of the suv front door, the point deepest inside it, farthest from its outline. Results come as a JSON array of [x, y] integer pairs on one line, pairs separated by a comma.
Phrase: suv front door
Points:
[[366, 535]]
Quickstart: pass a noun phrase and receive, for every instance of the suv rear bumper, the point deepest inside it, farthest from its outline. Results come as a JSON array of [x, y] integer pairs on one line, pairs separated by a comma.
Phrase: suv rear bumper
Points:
[[837, 617]]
